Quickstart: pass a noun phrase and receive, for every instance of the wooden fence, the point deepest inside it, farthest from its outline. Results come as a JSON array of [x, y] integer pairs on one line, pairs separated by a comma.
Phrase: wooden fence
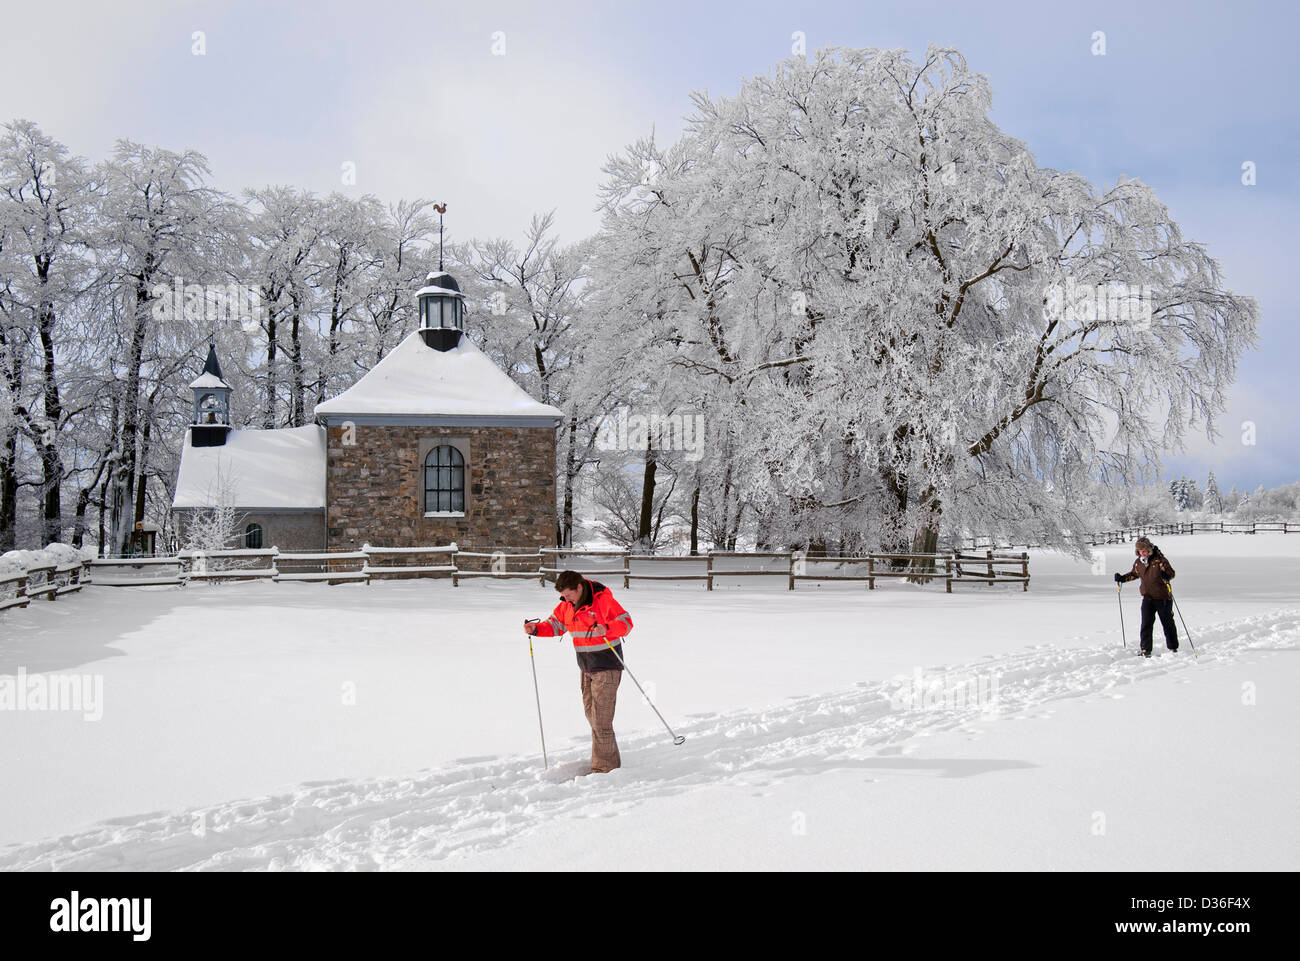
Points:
[[372, 563], [993, 566], [48, 581], [792, 566], [1127, 534]]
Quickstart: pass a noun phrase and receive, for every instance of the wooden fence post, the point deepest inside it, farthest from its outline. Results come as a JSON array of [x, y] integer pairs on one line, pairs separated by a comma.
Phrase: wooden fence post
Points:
[[708, 570]]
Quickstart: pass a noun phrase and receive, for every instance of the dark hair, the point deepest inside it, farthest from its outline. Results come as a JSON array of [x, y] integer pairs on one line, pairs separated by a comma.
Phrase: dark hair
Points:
[[568, 580]]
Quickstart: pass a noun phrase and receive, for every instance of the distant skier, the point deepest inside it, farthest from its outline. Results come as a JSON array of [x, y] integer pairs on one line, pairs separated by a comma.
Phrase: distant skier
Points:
[[1154, 572], [591, 615]]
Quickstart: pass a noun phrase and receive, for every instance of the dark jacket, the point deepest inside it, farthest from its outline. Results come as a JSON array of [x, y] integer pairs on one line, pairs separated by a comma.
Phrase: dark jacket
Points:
[[1153, 576]]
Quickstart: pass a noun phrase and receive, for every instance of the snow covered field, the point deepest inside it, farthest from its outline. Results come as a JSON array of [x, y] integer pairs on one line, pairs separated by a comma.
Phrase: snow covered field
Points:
[[393, 726]]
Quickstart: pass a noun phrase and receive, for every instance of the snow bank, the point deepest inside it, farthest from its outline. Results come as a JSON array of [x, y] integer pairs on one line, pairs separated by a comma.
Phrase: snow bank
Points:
[[17, 562], [61, 555], [64, 554]]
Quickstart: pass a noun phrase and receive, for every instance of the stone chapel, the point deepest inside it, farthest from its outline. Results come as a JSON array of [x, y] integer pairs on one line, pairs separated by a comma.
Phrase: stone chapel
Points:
[[434, 444]]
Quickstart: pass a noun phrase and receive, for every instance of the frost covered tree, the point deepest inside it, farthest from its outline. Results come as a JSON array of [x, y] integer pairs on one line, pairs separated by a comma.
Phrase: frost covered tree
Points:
[[914, 323], [218, 525], [350, 249], [46, 208], [161, 224], [284, 232], [1232, 500], [529, 300], [1179, 494], [402, 257], [1213, 499]]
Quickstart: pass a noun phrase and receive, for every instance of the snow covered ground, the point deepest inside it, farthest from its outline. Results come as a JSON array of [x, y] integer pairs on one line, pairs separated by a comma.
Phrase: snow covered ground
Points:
[[393, 726]]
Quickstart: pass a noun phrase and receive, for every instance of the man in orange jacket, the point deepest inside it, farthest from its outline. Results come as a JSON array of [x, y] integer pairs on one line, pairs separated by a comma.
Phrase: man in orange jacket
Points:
[[590, 614]]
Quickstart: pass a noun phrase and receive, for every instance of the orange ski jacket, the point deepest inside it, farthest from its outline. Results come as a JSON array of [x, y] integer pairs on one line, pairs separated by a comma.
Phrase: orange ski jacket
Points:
[[579, 622]]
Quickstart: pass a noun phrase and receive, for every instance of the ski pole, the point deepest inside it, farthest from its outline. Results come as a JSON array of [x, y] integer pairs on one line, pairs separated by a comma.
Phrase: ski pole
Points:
[[1119, 590], [1180, 617], [545, 764], [677, 738]]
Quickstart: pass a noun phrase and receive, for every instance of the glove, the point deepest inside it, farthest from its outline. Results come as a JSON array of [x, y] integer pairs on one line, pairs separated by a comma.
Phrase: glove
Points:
[[1119, 578]]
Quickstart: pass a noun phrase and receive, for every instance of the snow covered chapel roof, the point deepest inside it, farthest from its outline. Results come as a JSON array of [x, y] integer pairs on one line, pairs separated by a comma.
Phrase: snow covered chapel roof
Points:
[[416, 384], [269, 470]]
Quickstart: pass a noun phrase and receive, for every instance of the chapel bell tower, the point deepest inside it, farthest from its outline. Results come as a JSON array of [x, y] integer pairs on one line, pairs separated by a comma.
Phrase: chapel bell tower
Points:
[[442, 311], [211, 422]]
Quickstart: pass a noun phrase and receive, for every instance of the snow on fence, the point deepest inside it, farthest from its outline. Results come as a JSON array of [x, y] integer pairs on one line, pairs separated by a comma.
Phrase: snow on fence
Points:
[[496, 564], [398, 554], [334, 567], [235, 565], [371, 563], [136, 571], [27, 575]]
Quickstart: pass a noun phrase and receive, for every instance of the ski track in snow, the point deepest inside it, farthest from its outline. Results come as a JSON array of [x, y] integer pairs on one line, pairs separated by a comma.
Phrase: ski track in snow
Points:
[[483, 803]]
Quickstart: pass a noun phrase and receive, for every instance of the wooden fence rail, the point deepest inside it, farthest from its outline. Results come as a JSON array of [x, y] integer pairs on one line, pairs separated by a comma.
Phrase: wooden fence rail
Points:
[[47, 580], [1126, 534], [370, 563], [795, 566], [361, 566]]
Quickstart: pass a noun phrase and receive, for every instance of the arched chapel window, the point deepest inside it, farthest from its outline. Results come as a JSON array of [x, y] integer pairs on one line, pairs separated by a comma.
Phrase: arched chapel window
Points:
[[444, 481]]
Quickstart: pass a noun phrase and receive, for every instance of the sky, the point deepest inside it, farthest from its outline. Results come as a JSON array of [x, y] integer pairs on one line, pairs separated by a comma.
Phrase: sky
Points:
[[503, 110]]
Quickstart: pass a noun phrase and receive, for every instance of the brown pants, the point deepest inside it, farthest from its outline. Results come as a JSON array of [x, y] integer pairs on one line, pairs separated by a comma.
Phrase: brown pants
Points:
[[599, 691]]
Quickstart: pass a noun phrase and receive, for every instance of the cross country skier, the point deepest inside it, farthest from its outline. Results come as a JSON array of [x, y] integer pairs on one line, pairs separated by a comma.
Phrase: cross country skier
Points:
[[589, 612], [1154, 572]]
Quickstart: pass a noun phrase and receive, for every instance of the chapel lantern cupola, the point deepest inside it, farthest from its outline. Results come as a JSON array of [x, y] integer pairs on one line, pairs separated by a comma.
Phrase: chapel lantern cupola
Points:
[[211, 421], [442, 311]]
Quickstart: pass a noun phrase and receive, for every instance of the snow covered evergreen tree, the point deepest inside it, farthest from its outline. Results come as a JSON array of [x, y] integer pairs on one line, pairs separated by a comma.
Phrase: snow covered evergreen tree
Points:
[[1232, 500], [1213, 499], [1179, 492]]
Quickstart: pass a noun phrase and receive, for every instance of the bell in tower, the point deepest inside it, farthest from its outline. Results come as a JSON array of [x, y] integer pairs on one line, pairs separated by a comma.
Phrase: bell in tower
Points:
[[211, 421]]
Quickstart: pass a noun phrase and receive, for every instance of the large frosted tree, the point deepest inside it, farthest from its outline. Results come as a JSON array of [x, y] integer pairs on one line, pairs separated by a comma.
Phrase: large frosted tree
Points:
[[911, 321], [46, 200], [161, 224]]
